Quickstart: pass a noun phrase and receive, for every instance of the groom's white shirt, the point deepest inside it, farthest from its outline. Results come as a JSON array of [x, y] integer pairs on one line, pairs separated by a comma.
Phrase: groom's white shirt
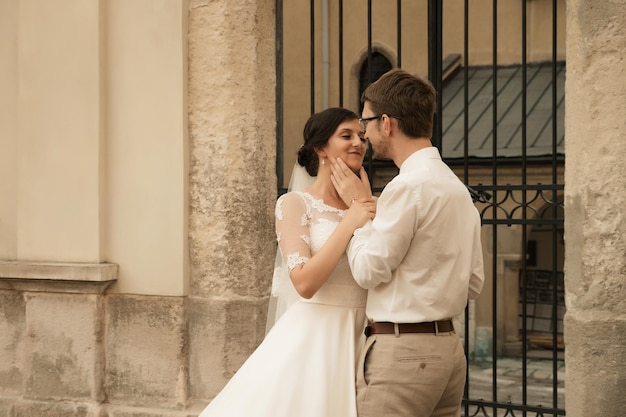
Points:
[[421, 256]]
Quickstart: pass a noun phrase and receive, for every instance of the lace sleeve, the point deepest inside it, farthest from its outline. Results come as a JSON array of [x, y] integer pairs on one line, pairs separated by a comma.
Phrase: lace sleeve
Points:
[[292, 218], [292, 229]]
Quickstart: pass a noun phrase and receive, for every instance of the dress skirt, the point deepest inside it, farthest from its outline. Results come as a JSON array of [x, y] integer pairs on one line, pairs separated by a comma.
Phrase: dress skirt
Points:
[[305, 366]]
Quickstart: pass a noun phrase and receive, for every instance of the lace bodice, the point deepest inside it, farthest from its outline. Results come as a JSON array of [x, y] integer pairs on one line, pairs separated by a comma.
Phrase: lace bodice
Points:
[[303, 225]]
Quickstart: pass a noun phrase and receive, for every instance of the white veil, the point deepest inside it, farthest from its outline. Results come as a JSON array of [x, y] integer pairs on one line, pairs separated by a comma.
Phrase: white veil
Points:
[[283, 293]]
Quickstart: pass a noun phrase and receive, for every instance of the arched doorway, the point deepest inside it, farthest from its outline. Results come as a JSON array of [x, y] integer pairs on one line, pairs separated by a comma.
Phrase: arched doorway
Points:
[[371, 70]]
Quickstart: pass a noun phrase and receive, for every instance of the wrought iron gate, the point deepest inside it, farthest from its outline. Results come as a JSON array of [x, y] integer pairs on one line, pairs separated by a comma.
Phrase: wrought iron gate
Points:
[[499, 71]]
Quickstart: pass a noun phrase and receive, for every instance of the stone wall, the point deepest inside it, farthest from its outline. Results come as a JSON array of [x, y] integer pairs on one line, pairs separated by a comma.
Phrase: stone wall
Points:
[[232, 119], [595, 219]]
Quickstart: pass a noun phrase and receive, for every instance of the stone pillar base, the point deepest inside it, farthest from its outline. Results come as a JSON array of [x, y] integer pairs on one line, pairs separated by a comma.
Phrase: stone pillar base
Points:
[[596, 355]]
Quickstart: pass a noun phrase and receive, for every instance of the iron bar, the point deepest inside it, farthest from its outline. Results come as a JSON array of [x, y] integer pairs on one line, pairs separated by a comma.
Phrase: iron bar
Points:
[[495, 207], [399, 32], [480, 404], [280, 163], [555, 302], [477, 195], [340, 52], [523, 286], [312, 54]]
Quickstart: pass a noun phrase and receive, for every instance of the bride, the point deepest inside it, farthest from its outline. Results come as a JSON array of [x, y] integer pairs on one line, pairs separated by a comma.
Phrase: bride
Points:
[[305, 366]]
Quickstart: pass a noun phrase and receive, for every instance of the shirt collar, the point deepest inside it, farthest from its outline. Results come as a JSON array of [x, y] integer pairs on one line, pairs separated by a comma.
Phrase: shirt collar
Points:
[[416, 157]]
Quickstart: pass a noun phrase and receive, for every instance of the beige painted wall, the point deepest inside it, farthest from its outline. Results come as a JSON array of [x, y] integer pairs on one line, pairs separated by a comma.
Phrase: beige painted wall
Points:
[[8, 130], [59, 131], [93, 137], [147, 159]]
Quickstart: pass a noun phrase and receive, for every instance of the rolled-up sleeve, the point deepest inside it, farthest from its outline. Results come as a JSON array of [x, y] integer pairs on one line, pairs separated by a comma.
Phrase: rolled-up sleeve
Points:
[[377, 248], [477, 276]]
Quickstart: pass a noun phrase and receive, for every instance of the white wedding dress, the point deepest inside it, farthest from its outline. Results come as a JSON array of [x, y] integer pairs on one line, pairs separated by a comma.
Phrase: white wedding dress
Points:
[[305, 367]]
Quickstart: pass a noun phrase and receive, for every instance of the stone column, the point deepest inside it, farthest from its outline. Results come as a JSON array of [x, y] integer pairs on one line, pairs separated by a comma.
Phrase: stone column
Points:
[[595, 219], [232, 120]]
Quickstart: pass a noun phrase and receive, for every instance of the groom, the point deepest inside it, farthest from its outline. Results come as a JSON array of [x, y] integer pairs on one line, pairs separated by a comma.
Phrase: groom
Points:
[[420, 258]]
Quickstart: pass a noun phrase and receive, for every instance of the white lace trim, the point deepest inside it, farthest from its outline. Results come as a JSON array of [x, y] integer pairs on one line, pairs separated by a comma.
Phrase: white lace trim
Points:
[[326, 226], [294, 260], [279, 209], [319, 205]]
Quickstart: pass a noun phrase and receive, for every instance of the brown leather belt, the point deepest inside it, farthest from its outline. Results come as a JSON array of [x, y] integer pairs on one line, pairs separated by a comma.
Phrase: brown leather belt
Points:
[[435, 327]]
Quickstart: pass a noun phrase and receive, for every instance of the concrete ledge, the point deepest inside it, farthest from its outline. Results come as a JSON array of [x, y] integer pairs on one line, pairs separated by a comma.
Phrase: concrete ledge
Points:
[[57, 276], [111, 410], [58, 271], [6, 406], [56, 409], [22, 407]]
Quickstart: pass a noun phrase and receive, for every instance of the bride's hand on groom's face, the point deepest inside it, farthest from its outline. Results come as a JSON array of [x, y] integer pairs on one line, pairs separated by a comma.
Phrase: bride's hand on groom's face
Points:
[[348, 185]]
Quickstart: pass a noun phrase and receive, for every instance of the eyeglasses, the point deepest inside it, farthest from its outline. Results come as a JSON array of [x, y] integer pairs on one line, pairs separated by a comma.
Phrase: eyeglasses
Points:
[[363, 122]]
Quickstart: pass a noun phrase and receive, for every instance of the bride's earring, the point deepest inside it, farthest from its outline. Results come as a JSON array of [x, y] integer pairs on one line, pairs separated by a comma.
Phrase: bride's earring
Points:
[[323, 161]]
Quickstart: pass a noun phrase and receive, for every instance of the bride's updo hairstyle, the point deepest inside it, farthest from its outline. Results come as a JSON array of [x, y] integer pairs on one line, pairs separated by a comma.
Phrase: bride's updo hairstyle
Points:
[[317, 131]]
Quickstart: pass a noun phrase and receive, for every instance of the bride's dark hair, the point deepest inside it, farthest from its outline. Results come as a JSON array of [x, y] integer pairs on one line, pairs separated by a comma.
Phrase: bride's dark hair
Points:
[[317, 130]]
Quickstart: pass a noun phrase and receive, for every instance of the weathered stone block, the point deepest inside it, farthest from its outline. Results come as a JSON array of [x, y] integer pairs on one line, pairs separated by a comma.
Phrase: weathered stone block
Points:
[[222, 334], [6, 407], [146, 351], [12, 332], [63, 351], [595, 354]]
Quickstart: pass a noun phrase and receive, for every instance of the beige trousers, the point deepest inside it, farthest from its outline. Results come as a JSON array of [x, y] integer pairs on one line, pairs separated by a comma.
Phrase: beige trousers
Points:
[[411, 375]]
